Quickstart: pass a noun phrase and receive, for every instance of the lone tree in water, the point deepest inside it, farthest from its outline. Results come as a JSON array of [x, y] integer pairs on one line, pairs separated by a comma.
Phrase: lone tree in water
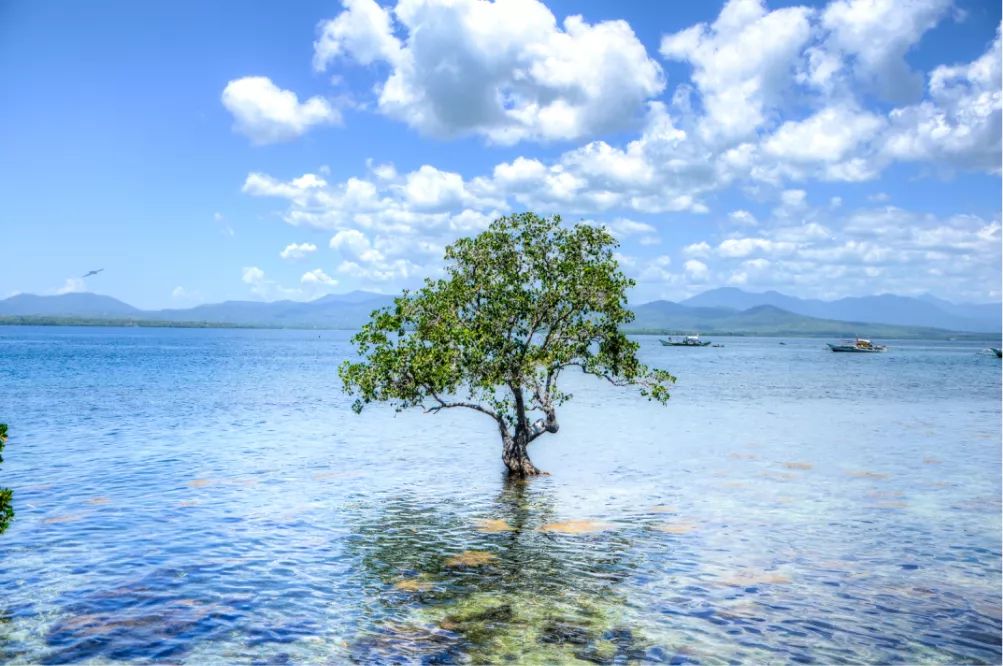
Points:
[[520, 303]]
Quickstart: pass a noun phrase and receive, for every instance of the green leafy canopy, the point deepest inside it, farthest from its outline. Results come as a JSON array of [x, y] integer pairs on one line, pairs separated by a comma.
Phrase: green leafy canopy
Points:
[[520, 302]]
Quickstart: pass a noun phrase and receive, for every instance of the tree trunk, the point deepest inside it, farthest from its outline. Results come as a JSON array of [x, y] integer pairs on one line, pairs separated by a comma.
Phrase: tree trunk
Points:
[[516, 457]]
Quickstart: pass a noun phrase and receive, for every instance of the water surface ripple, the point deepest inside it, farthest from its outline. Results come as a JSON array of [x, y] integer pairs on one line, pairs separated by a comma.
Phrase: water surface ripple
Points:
[[207, 497]]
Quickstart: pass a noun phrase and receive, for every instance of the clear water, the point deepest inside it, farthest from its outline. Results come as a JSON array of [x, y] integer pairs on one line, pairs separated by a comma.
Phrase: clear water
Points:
[[203, 497]]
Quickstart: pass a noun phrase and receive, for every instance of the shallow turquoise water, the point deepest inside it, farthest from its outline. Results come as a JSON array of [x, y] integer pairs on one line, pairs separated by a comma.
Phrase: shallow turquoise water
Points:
[[206, 496]]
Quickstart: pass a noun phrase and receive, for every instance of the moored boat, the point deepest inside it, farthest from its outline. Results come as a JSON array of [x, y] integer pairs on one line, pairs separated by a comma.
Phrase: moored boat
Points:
[[686, 341], [860, 346]]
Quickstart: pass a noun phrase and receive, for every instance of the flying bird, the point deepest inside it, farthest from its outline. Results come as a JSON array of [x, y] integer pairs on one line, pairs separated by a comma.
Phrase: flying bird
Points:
[[92, 273]]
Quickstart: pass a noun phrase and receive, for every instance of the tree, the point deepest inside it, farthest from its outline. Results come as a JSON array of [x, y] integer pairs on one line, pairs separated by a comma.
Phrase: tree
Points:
[[520, 303], [6, 494]]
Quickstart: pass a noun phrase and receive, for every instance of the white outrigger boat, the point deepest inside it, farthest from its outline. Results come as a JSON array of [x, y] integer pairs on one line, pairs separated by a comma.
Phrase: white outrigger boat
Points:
[[687, 341], [860, 346]]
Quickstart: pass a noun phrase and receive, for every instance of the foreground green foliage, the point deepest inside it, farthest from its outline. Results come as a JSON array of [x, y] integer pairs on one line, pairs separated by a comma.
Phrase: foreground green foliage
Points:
[[523, 301], [6, 494]]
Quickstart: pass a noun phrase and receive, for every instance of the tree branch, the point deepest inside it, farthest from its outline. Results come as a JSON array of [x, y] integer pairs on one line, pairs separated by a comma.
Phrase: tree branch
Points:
[[469, 405]]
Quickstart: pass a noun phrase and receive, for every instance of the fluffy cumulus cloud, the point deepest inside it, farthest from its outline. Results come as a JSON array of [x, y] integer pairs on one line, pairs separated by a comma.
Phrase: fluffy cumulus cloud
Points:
[[795, 94], [297, 251], [776, 97], [383, 259], [696, 269], [264, 287], [742, 63], [883, 249], [870, 39], [959, 125], [266, 113], [660, 171], [701, 249], [504, 70], [252, 275], [776, 100], [318, 278], [72, 286]]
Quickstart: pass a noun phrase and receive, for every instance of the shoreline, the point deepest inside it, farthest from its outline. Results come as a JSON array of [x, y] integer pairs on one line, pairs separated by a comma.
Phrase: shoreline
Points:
[[853, 329]]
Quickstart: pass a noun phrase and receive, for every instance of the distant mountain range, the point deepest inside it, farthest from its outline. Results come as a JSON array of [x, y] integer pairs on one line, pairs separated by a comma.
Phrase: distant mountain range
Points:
[[718, 311], [334, 311], [882, 309]]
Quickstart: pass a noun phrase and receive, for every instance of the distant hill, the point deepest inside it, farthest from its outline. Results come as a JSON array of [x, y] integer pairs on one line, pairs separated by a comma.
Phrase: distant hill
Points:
[[716, 312], [334, 311], [66, 305], [925, 311], [767, 320]]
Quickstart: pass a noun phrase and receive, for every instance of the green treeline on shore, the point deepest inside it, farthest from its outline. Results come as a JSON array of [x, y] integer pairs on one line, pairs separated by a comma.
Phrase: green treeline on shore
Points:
[[807, 327], [47, 320]]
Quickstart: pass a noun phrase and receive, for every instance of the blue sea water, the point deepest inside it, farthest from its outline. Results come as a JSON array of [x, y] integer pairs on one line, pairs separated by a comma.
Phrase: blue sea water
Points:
[[207, 496]]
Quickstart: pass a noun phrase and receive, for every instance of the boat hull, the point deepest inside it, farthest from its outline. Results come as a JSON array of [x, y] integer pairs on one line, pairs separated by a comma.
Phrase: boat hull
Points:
[[855, 350]]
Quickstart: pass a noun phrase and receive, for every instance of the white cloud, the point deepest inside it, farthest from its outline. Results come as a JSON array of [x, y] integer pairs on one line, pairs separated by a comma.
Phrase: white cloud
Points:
[[390, 271], [960, 124], [266, 113], [657, 270], [354, 245], [431, 189], [622, 227], [875, 35], [658, 172], [265, 288], [625, 261], [502, 70], [794, 109], [743, 218], [297, 251], [252, 275], [318, 278], [872, 250], [758, 264], [382, 171], [742, 64], [791, 199], [701, 249], [625, 227], [831, 135], [696, 269], [743, 247], [679, 157], [72, 286], [186, 296], [364, 31], [777, 99]]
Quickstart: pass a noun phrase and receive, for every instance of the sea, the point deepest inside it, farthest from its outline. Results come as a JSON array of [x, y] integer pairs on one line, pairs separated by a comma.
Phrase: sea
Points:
[[191, 496]]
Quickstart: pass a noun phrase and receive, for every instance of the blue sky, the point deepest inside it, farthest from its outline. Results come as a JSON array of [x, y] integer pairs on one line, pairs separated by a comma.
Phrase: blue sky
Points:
[[209, 151]]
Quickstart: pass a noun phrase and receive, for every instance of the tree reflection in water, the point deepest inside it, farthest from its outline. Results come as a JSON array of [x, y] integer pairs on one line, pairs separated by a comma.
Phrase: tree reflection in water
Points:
[[521, 593]]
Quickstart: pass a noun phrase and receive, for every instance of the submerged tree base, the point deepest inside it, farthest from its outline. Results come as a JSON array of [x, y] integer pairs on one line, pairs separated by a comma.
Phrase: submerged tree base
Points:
[[523, 469], [517, 461]]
